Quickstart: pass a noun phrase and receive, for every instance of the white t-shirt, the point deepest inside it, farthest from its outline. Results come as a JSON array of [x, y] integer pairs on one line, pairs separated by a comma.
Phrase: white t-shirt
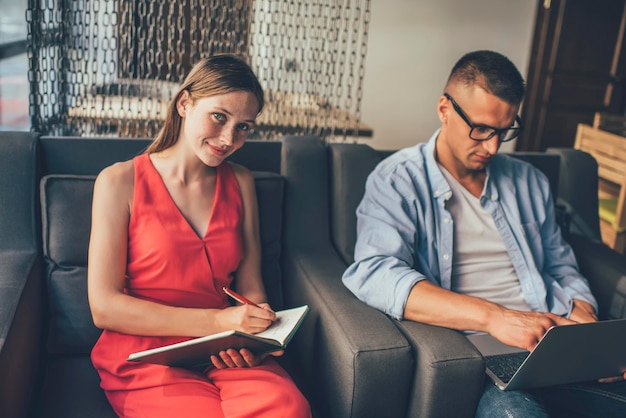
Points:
[[481, 266]]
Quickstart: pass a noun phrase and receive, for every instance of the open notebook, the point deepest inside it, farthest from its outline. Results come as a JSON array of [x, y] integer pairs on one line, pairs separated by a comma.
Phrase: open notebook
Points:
[[566, 354], [197, 352]]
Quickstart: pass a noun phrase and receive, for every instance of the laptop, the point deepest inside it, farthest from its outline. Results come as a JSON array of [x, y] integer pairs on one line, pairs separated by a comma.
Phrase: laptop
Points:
[[566, 354]]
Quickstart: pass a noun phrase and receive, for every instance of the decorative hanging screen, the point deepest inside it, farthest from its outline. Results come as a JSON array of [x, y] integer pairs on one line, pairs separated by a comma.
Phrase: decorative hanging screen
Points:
[[110, 67]]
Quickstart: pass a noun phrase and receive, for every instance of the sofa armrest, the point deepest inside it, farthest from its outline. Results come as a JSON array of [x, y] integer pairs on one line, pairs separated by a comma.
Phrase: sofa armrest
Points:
[[354, 362], [21, 304], [449, 374], [606, 271]]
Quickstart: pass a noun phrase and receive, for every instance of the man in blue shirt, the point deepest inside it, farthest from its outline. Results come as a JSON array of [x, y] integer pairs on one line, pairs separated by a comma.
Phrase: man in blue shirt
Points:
[[452, 234]]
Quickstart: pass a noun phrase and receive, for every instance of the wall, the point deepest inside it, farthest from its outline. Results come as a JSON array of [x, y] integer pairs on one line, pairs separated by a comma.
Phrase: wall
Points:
[[412, 46]]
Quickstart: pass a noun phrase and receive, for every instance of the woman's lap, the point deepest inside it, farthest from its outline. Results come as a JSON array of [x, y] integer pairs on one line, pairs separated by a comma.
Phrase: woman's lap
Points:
[[266, 390]]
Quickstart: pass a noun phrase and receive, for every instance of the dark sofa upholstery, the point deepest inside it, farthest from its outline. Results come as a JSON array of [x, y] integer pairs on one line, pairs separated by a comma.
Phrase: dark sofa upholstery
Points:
[[343, 357], [349, 359]]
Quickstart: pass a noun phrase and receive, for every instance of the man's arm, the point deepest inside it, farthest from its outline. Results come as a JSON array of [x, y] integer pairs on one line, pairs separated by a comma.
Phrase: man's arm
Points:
[[431, 304], [383, 272], [557, 260]]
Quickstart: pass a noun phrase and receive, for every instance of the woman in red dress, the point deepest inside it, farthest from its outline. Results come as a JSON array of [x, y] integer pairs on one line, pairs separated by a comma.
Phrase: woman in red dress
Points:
[[170, 229]]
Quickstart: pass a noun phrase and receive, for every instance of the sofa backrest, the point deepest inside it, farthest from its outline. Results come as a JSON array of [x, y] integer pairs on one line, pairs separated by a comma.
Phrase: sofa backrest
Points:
[[66, 225], [349, 166], [18, 176], [578, 190], [88, 156]]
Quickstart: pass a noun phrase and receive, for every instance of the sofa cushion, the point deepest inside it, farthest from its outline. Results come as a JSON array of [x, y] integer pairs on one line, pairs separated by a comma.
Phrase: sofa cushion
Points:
[[350, 164], [270, 194], [66, 224]]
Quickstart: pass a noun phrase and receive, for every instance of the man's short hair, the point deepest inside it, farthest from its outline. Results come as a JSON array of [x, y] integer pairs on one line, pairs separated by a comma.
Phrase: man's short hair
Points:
[[491, 71]]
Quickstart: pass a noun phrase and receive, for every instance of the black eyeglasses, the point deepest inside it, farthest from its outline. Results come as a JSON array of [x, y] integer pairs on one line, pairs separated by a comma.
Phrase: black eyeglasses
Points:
[[484, 132]]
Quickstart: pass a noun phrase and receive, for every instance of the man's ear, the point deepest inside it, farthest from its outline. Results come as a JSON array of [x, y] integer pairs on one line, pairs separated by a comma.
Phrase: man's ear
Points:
[[182, 103], [443, 109]]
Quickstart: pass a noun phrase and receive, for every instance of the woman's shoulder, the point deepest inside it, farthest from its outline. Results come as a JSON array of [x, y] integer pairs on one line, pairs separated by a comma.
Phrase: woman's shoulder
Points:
[[241, 172], [117, 178], [119, 172], [245, 179]]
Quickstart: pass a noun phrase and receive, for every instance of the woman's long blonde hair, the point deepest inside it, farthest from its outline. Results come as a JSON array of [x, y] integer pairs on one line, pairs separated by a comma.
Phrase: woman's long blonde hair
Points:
[[212, 76]]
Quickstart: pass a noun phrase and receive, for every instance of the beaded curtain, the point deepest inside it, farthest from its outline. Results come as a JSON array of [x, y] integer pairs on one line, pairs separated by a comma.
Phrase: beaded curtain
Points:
[[110, 67]]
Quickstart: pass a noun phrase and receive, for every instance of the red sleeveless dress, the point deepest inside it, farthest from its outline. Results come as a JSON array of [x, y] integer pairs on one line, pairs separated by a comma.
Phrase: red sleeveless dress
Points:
[[169, 263]]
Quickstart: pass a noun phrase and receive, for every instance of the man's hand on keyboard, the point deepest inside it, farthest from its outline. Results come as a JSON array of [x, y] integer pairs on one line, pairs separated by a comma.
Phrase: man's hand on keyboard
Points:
[[523, 329]]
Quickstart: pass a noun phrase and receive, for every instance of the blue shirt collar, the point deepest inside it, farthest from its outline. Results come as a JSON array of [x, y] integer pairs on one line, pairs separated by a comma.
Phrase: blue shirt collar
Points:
[[438, 183]]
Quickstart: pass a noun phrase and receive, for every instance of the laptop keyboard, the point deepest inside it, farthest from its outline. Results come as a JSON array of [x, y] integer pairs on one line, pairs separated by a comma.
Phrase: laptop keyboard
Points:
[[505, 365]]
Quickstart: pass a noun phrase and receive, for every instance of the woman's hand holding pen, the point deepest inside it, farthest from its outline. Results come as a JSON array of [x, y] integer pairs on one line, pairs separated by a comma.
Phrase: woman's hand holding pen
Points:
[[250, 318], [254, 318]]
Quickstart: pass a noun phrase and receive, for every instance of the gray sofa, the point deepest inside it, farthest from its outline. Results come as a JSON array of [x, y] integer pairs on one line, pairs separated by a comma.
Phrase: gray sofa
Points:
[[349, 359]]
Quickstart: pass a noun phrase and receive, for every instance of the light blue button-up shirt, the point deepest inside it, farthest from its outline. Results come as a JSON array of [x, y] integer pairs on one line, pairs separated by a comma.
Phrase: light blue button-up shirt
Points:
[[405, 233]]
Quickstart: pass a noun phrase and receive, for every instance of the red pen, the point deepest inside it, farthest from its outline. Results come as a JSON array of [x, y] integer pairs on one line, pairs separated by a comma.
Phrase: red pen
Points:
[[238, 297]]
